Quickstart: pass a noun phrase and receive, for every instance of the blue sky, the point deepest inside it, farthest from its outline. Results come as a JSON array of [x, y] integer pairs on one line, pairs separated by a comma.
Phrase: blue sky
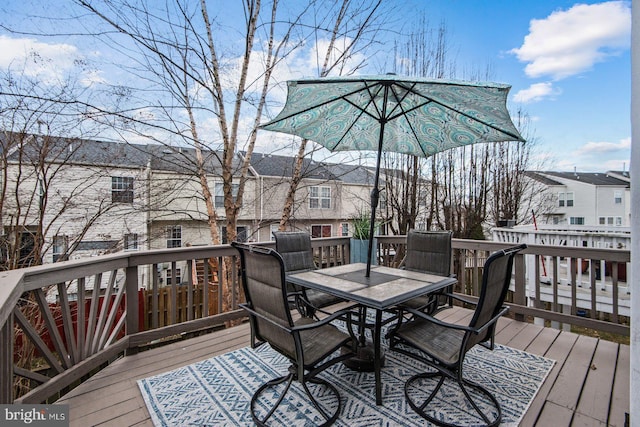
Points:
[[568, 63], [569, 66]]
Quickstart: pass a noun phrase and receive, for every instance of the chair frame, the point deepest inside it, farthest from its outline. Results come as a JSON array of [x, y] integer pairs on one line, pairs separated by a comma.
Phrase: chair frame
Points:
[[299, 370], [453, 370], [302, 298], [434, 303]]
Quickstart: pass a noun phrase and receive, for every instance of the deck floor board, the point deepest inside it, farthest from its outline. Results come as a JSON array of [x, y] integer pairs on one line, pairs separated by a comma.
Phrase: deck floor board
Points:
[[569, 396], [600, 375]]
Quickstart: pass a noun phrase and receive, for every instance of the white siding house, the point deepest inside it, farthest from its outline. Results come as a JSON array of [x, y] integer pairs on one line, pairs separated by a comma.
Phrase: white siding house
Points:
[[328, 197], [102, 197], [587, 199]]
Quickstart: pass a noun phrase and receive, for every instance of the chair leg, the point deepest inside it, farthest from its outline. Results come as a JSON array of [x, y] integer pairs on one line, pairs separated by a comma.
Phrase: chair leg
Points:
[[330, 417], [331, 393], [463, 386], [262, 422], [420, 405]]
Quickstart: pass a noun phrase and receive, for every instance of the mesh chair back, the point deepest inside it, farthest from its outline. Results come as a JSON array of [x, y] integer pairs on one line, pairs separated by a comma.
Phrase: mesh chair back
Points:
[[429, 251], [496, 277], [262, 271], [295, 249]]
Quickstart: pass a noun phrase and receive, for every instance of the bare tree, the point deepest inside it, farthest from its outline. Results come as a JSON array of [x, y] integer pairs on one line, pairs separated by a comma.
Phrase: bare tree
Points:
[[514, 195], [209, 89], [424, 54], [351, 25], [40, 197]]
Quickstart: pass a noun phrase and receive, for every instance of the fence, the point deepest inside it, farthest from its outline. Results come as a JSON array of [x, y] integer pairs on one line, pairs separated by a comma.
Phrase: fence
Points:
[[94, 333]]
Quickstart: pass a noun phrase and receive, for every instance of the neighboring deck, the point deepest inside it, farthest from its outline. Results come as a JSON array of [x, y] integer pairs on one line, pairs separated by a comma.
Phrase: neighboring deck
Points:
[[588, 386]]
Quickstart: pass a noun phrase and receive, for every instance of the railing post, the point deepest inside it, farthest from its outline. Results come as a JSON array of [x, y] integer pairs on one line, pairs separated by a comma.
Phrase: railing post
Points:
[[520, 285], [131, 290], [6, 362]]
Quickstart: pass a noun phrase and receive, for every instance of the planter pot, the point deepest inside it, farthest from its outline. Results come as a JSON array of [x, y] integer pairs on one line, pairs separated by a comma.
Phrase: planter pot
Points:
[[358, 250]]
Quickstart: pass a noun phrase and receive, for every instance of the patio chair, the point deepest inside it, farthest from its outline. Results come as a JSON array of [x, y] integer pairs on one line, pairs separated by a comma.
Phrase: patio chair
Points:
[[295, 249], [443, 346], [429, 252], [306, 342]]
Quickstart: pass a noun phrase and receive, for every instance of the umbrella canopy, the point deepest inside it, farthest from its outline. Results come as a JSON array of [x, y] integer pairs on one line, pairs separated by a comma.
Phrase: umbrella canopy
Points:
[[390, 113]]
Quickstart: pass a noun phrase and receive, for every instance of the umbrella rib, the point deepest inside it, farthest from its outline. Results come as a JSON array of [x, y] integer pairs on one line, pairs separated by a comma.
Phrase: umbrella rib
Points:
[[404, 113], [511, 134], [353, 123], [298, 112], [363, 110]]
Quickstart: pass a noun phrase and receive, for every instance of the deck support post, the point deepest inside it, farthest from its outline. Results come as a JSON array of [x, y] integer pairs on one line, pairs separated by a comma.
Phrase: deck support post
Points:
[[131, 288], [6, 362]]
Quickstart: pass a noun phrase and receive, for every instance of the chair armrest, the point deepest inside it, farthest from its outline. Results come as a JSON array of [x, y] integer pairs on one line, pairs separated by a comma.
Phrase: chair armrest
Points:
[[255, 313], [343, 314], [460, 298], [425, 316], [493, 320], [439, 322]]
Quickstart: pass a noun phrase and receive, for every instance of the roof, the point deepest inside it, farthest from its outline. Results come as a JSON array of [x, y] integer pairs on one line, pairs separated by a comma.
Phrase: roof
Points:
[[353, 174], [282, 166], [118, 154], [538, 176], [179, 159], [623, 175], [592, 178]]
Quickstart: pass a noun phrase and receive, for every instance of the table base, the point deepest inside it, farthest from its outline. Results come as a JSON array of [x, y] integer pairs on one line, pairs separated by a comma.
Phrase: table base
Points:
[[364, 359]]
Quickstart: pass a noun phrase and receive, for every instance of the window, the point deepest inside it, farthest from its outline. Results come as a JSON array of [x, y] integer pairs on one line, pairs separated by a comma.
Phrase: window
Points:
[[565, 199], [131, 242], [319, 197], [383, 201], [617, 197], [219, 196], [170, 277], [323, 230], [121, 189], [344, 229], [576, 220], [241, 234], [60, 247], [174, 236], [610, 220]]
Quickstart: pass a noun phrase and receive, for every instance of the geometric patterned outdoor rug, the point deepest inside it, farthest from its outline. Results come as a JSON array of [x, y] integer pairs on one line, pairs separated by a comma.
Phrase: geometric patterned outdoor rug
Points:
[[217, 391]]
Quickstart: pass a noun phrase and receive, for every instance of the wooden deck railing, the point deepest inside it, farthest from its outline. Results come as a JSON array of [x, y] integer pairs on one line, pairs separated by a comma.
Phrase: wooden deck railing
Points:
[[62, 322]]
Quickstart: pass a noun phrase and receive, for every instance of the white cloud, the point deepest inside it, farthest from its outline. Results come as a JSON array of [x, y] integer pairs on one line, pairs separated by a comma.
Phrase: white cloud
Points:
[[598, 148], [48, 62], [617, 164], [572, 41], [536, 92]]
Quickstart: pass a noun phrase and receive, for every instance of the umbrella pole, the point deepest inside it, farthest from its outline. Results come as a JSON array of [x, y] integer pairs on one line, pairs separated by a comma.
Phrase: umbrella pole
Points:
[[375, 197]]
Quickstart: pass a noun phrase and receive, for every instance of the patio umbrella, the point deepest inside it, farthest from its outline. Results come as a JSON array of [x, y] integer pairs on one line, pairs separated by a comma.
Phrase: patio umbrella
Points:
[[389, 113]]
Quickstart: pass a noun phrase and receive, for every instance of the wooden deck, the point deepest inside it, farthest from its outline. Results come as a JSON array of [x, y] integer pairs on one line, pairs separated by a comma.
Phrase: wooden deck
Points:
[[588, 386]]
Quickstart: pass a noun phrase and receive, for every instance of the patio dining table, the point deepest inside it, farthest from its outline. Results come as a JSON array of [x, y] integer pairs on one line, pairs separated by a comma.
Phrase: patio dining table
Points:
[[385, 288]]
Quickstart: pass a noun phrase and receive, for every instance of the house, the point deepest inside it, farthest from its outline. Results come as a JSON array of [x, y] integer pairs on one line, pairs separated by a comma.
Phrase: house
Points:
[[65, 195], [328, 195], [74, 198], [586, 199]]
